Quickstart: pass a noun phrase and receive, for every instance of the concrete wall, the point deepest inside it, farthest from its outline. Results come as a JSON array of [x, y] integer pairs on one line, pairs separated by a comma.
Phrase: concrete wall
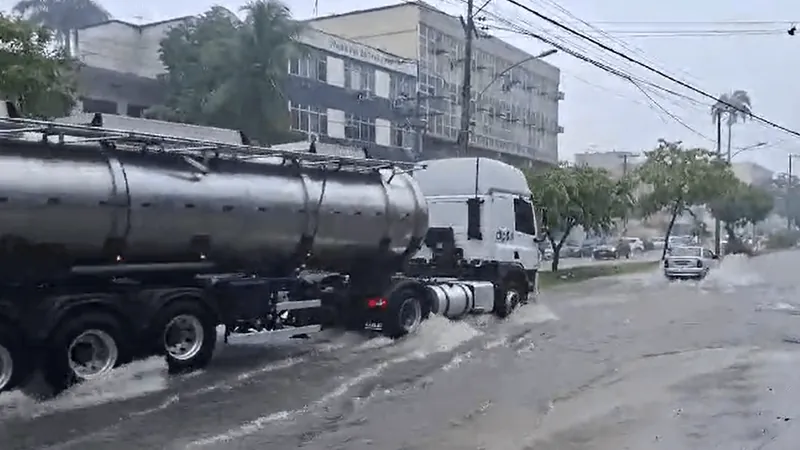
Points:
[[394, 30]]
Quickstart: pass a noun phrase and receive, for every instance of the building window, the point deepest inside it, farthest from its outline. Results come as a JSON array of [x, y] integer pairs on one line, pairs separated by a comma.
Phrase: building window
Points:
[[310, 65], [309, 119], [359, 77], [359, 128], [91, 105], [401, 136]]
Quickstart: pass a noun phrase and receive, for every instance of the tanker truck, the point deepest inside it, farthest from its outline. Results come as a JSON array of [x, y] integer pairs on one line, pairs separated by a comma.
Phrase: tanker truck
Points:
[[119, 243]]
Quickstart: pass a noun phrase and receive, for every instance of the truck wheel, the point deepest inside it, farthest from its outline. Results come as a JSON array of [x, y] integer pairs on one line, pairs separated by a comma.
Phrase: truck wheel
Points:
[[508, 297], [84, 348], [187, 335], [14, 365], [404, 315]]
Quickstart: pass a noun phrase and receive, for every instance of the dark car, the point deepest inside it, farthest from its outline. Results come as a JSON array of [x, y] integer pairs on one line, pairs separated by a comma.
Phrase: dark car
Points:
[[587, 250], [612, 251], [571, 251]]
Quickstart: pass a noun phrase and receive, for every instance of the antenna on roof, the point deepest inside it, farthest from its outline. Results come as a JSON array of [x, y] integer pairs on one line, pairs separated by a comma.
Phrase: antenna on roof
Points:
[[316, 8]]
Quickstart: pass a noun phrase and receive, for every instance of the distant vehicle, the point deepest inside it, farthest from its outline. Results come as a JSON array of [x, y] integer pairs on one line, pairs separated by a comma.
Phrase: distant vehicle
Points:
[[611, 251], [587, 249], [635, 243], [658, 243], [571, 251], [688, 262]]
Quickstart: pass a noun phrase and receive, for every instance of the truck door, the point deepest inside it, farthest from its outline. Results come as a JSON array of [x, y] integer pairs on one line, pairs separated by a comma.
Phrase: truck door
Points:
[[525, 245]]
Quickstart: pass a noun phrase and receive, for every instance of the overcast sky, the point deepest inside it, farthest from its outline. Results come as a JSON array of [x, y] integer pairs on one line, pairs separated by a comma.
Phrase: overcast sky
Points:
[[738, 45]]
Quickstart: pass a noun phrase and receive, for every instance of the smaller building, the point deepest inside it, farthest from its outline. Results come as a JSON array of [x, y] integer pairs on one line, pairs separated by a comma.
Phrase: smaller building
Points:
[[338, 90], [752, 173], [615, 162]]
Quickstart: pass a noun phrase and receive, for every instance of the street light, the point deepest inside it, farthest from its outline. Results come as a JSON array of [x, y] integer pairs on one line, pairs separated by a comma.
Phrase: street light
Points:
[[544, 54], [749, 148]]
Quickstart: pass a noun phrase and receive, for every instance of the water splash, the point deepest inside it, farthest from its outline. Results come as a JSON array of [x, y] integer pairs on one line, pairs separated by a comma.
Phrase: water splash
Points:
[[130, 381], [734, 271]]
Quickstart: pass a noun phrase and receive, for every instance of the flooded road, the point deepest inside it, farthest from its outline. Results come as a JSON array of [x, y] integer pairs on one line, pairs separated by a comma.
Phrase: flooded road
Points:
[[625, 362]]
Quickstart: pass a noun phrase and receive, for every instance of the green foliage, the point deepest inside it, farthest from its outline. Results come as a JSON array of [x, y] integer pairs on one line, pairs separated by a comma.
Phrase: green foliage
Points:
[[733, 107], [229, 73], [742, 204], [680, 178], [786, 196], [573, 196], [39, 79], [783, 239], [61, 16]]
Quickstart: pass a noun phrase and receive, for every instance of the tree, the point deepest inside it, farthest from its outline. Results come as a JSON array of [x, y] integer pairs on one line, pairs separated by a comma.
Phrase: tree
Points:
[[573, 196], [680, 178], [786, 196], [741, 204], [229, 73], [37, 78], [62, 16], [733, 107]]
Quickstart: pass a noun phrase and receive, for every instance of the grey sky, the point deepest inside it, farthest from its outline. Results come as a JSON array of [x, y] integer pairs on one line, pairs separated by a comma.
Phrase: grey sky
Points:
[[602, 112]]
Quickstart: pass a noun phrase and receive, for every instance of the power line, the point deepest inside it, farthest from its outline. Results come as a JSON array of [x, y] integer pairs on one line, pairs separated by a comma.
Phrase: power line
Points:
[[647, 67]]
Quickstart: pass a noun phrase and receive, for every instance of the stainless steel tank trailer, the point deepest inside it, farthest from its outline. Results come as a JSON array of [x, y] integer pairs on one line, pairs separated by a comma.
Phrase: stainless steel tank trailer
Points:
[[118, 243]]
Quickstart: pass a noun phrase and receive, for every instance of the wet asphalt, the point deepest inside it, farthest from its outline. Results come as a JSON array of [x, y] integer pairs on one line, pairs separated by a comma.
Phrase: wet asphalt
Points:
[[630, 362]]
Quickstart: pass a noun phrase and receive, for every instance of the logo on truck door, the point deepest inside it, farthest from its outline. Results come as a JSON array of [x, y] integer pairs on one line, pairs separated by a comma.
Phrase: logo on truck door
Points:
[[504, 235]]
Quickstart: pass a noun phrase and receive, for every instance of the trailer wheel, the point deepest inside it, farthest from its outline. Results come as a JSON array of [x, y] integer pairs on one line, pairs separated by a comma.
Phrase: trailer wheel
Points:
[[84, 348], [15, 367], [187, 336], [405, 313], [508, 297]]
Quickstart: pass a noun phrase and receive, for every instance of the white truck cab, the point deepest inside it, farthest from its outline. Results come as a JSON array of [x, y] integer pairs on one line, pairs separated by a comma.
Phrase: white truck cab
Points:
[[487, 204]]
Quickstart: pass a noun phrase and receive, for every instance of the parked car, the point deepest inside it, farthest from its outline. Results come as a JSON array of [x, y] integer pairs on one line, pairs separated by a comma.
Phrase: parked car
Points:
[[608, 251], [635, 243], [571, 251], [688, 262], [587, 249], [658, 243]]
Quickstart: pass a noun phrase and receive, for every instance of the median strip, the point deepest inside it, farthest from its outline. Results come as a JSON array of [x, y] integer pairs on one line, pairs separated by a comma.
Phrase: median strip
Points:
[[583, 273]]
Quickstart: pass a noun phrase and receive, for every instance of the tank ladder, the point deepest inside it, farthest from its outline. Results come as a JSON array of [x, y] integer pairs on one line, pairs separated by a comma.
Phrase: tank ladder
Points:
[[57, 132]]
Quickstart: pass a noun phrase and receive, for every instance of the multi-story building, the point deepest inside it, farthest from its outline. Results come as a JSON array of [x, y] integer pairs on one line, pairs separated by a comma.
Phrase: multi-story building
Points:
[[514, 111], [338, 90]]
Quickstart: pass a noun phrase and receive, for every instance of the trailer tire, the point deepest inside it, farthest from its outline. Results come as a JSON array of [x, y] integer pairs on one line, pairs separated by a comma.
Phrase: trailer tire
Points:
[[186, 335], [509, 297], [405, 312], [15, 365], [101, 332]]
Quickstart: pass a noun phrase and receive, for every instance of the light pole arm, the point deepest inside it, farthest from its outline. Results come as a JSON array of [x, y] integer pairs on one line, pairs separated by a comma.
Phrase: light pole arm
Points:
[[513, 66]]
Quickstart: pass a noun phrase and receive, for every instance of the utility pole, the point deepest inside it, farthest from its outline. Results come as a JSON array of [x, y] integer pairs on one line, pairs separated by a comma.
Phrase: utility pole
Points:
[[789, 193], [717, 225], [468, 24]]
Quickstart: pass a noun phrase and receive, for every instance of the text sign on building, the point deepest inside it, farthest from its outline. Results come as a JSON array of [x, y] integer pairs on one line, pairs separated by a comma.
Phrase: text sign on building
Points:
[[354, 50]]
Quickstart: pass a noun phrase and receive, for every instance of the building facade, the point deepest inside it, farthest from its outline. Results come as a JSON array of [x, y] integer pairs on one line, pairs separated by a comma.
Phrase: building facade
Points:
[[752, 173], [515, 112], [339, 90], [615, 162]]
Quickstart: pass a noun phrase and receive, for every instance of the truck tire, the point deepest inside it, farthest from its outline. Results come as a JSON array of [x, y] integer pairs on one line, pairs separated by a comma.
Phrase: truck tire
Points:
[[405, 313], [186, 335], [508, 297], [83, 348], [15, 366]]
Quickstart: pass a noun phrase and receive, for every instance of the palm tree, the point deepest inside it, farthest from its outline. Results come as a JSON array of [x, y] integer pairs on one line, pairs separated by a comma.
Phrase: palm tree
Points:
[[62, 16], [734, 107], [265, 43]]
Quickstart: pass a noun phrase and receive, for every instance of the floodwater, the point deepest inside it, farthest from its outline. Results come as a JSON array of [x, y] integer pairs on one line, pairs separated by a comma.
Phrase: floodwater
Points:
[[629, 362]]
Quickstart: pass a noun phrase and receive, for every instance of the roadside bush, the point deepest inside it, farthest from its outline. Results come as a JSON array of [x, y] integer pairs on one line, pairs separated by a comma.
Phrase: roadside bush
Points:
[[783, 239]]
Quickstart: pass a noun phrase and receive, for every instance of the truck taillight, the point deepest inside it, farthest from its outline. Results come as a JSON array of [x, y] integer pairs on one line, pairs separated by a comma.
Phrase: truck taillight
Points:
[[699, 263], [377, 302], [666, 263]]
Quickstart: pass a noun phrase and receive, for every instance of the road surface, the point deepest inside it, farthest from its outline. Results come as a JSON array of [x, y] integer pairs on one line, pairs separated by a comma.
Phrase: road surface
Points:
[[631, 362]]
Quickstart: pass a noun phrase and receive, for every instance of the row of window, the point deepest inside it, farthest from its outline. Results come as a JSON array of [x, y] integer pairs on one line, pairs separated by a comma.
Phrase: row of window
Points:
[[92, 105], [314, 120]]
